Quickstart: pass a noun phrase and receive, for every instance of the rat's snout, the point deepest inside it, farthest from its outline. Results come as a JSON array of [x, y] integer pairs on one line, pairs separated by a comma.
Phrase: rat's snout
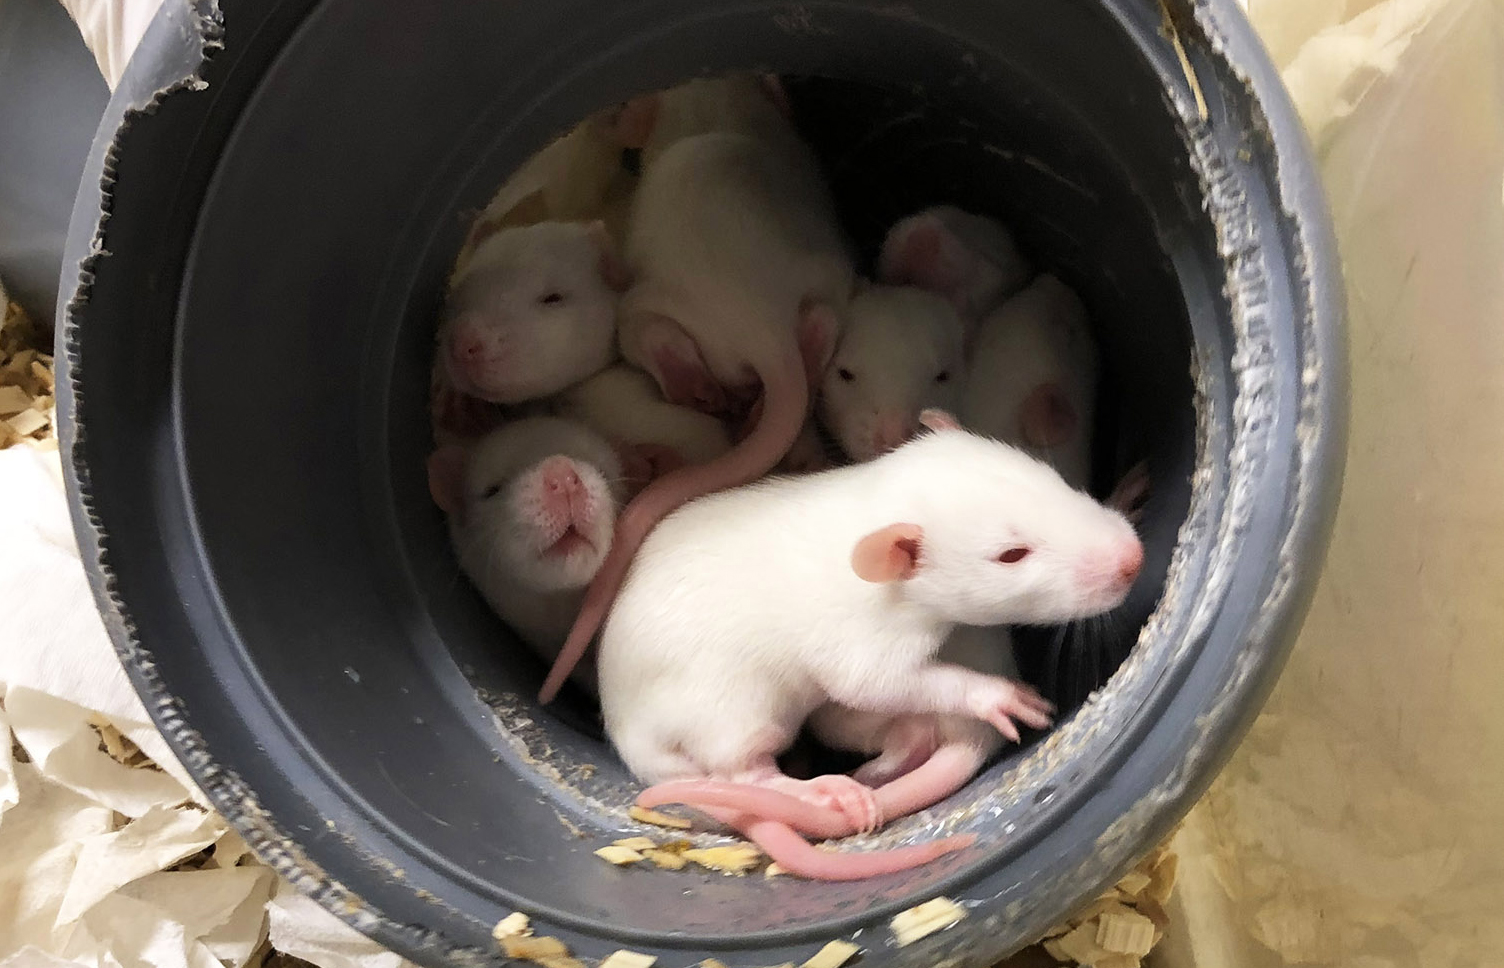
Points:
[[467, 347], [563, 494], [472, 354], [1109, 571], [890, 431]]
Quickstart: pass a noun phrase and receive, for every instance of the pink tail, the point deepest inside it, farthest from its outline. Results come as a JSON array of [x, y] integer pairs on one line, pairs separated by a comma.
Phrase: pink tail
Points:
[[785, 406], [947, 770], [799, 857], [745, 798]]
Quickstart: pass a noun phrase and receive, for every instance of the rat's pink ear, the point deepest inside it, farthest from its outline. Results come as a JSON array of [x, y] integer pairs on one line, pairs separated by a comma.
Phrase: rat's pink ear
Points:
[[920, 251], [773, 85], [1047, 417], [889, 554], [613, 269], [818, 326], [937, 420], [446, 477], [673, 358], [530, 211], [632, 123]]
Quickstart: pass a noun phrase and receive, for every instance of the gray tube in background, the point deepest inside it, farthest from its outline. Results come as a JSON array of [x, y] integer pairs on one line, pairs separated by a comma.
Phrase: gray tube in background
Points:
[[51, 99]]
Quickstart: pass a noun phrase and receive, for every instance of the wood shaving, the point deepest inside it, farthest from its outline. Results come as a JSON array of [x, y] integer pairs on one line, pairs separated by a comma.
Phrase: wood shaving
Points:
[[618, 855], [13, 400], [1163, 878], [735, 859], [514, 925], [833, 955], [774, 870], [636, 843], [27, 407], [1126, 933], [668, 860], [1078, 945], [28, 422], [628, 959], [925, 919], [712, 963], [1124, 924], [546, 951], [1119, 961], [644, 815]]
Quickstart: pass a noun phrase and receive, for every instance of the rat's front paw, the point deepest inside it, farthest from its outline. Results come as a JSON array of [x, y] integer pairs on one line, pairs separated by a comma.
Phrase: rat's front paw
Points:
[[1002, 701]]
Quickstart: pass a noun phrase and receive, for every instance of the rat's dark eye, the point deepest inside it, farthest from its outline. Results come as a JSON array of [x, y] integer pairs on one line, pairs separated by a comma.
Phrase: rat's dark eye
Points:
[[552, 299], [490, 492], [1014, 555], [944, 375], [845, 374]]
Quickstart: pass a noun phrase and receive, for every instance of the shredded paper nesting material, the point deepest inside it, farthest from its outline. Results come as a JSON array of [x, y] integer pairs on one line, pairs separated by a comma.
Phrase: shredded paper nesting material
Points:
[[27, 412], [109, 855]]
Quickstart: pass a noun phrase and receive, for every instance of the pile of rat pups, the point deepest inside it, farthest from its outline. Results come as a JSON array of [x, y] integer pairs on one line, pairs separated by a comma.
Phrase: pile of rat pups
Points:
[[622, 359]]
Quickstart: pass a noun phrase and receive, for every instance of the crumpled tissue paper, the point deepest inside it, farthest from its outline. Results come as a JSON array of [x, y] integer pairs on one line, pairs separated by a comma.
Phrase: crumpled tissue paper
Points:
[[109, 854]]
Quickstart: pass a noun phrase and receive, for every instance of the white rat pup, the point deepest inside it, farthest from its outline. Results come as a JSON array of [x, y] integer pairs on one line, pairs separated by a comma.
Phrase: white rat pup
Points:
[[897, 345], [741, 273], [533, 312], [1033, 377], [969, 259], [748, 609], [899, 354], [531, 508]]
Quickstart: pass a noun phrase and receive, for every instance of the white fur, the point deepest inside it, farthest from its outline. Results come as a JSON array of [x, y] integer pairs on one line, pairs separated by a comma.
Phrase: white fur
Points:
[[730, 234], [742, 613], [499, 540], [736, 102], [988, 650], [901, 349], [1038, 336], [623, 404], [539, 348], [995, 269]]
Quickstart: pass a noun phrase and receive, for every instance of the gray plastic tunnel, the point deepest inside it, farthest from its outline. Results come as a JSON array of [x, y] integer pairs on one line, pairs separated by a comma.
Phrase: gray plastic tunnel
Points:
[[255, 261]]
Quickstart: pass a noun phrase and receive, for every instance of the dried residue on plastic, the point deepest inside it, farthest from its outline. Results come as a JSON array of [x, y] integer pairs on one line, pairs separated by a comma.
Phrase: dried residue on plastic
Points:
[[201, 28]]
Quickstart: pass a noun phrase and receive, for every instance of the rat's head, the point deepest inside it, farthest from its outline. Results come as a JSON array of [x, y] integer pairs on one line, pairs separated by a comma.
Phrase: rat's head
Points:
[[533, 312], [996, 537], [970, 260], [535, 500], [900, 353]]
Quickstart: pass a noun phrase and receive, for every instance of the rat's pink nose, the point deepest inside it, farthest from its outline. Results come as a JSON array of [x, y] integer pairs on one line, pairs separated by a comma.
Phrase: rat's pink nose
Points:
[[560, 477], [1130, 560], [467, 348], [891, 431]]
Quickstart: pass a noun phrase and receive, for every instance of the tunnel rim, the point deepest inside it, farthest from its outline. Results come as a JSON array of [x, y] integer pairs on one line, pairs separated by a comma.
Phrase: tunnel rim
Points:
[[169, 57]]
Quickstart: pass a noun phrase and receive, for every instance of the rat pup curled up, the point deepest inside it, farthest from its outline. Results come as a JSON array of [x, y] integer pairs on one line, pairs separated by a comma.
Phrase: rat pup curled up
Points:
[[741, 274]]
